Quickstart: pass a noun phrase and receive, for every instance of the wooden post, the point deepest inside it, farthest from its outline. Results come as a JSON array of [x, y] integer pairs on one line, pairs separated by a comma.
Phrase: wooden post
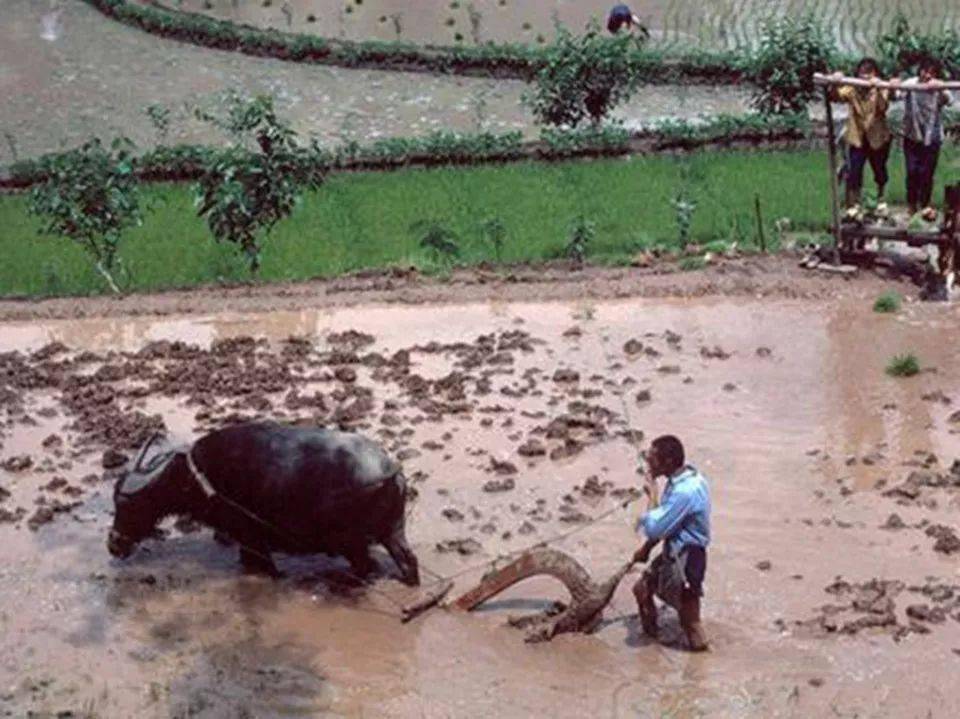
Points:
[[949, 258], [832, 152], [762, 237]]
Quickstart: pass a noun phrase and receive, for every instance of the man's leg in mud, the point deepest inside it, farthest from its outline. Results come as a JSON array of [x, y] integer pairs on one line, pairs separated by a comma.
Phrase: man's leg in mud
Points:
[[691, 624], [643, 591]]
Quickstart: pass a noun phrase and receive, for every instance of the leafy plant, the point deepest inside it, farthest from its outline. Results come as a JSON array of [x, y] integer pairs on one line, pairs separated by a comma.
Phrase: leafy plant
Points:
[[684, 207], [905, 365], [160, 119], [600, 139], [691, 264], [90, 195], [494, 233], [901, 48], [791, 50], [584, 76], [243, 193], [440, 242], [888, 302], [582, 234]]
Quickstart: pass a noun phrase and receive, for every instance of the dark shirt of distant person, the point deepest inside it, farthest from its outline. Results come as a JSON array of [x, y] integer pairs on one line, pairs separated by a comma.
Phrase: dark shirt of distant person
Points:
[[622, 17]]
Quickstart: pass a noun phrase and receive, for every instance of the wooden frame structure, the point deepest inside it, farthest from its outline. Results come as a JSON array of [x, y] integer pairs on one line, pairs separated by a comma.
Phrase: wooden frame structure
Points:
[[849, 236]]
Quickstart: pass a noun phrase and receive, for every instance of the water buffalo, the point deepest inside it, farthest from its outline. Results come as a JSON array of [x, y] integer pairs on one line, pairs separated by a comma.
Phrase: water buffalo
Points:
[[272, 488]]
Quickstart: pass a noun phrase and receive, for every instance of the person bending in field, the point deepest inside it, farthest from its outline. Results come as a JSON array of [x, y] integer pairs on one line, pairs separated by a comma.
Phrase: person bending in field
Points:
[[621, 16], [923, 135], [682, 521], [867, 133]]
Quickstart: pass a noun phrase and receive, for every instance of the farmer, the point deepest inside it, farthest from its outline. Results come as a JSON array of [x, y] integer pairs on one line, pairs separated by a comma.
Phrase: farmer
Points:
[[621, 16], [682, 521], [923, 136], [867, 134]]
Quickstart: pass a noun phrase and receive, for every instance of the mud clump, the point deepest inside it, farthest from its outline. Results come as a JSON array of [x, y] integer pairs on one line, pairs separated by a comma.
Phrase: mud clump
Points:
[[19, 463], [643, 396], [502, 467], [566, 376], [632, 347], [532, 448], [463, 547], [112, 459], [715, 352], [499, 485], [947, 541], [894, 522]]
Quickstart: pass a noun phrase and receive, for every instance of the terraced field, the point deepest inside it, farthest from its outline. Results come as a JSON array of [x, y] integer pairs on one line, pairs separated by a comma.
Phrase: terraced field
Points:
[[702, 23]]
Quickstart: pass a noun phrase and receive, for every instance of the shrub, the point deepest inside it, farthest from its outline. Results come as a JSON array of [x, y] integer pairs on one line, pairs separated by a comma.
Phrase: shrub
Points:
[[901, 48], [584, 76], [494, 234], [791, 51], [903, 366], [244, 193], [439, 241], [582, 234], [90, 196], [888, 302]]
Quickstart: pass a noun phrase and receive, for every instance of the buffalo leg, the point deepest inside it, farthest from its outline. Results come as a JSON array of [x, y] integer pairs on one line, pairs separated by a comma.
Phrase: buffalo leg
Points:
[[361, 564], [258, 561], [404, 557]]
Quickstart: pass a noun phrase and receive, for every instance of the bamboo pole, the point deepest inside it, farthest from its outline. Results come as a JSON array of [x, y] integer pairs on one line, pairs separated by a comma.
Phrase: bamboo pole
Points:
[[822, 80], [832, 154]]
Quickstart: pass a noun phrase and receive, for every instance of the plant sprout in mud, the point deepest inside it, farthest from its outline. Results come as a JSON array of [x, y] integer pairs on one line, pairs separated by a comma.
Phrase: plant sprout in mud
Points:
[[887, 303], [904, 365]]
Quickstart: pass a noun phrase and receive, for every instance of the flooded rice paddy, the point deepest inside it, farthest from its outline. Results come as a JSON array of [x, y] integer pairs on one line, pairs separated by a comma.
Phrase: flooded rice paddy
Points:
[[67, 73], [783, 404], [718, 24]]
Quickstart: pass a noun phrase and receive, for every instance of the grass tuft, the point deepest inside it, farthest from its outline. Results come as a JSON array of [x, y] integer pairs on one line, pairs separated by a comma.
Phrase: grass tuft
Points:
[[905, 365], [887, 303]]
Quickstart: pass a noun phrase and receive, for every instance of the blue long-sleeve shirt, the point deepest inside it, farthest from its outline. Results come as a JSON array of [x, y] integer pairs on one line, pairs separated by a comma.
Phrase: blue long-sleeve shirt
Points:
[[683, 517]]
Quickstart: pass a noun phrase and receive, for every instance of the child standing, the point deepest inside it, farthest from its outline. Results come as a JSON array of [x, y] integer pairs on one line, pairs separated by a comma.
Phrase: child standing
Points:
[[867, 134], [923, 136]]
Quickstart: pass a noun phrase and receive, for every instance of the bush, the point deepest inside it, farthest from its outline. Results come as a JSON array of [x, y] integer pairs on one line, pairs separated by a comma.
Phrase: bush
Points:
[[593, 139], [887, 303], [903, 366], [791, 51], [90, 195], [244, 193], [582, 234], [901, 48], [584, 76]]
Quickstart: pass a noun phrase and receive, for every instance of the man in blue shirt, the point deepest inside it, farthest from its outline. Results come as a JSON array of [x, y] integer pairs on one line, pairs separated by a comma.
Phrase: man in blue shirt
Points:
[[682, 521]]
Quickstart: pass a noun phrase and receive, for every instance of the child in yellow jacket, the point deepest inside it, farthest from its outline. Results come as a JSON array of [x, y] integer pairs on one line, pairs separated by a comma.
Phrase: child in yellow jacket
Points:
[[867, 132]]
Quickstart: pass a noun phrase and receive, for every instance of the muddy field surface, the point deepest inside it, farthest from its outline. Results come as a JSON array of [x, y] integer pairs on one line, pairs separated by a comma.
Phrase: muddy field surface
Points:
[[67, 74], [834, 580]]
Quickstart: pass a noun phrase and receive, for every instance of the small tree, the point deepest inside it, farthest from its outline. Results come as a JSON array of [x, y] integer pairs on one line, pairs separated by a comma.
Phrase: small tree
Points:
[[90, 195], [584, 76], [791, 51], [582, 233], [243, 193]]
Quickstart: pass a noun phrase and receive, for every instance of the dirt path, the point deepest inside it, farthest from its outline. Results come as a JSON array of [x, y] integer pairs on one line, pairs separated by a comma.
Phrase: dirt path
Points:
[[758, 276]]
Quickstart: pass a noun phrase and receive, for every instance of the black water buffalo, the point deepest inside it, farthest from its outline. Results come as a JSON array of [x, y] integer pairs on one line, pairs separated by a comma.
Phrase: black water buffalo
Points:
[[272, 488]]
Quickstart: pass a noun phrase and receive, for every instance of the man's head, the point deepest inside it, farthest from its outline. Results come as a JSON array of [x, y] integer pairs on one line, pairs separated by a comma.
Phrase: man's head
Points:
[[868, 68], [665, 456], [930, 69]]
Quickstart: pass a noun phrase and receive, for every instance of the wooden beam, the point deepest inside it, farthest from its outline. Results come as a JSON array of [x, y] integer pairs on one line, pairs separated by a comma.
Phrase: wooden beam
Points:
[[832, 154], [828, 81]]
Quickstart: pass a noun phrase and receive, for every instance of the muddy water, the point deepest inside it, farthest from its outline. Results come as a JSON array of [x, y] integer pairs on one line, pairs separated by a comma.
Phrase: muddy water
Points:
[[178, 631], [712, 23], [67, 73]]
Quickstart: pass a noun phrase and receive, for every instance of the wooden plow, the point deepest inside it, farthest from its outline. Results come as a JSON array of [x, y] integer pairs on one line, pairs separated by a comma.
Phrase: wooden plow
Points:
[[587, 598]]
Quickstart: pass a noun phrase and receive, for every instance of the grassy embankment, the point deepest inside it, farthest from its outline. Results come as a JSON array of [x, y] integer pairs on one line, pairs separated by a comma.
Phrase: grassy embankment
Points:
[[362, 220]]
